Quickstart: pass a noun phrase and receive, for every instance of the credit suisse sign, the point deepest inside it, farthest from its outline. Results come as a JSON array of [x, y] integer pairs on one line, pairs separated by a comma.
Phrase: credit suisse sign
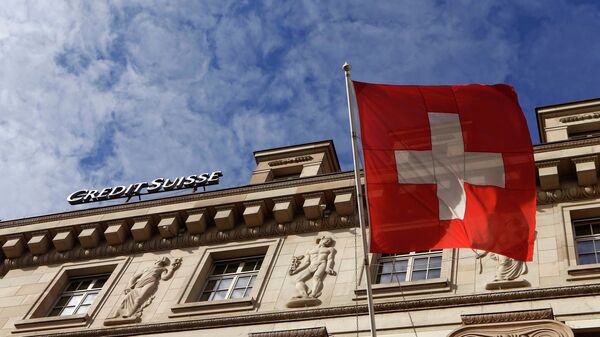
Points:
[[155, 186]]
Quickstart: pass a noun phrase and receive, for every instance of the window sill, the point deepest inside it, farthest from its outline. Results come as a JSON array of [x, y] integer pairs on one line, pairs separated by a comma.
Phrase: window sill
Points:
[[583, 272], [405, 289], [42, 323], [198, 308]]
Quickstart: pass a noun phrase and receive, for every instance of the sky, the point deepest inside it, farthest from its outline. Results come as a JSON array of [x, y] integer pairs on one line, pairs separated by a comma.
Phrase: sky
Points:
[[96, 94]]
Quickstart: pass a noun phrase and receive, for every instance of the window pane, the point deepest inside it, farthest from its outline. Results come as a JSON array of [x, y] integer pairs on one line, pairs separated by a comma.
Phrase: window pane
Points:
[[420, 264], [224, 284], [75, 300], [210, 285], [401, 265], [55, 312], [249, 265], [63, 301], [219, 295], [242, 282], [583, 230], [232, 267], [219, 269], [435, 262], [238, 293], [258, 264], [434, 273], [585, 247], [397, 277], [82, 309], [248, 291], [252, 280], [204, 296], [385, 278], [89, 299], [68, 311], [587, 258], [419, 275], [596, 228], [73, 285], [84, 284], [386, 267], [100, 282]]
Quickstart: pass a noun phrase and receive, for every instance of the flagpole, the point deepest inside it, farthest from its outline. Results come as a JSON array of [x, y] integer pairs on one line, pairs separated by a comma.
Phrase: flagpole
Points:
[[359, 198]]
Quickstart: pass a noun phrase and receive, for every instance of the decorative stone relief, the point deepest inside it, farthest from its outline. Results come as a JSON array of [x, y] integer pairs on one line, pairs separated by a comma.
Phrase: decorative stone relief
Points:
[[541, 328], [314, 265], [141, 289], [508, 272]]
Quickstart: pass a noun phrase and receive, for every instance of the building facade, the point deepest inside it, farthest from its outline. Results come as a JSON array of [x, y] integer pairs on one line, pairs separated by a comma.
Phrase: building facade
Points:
[[282, 256]]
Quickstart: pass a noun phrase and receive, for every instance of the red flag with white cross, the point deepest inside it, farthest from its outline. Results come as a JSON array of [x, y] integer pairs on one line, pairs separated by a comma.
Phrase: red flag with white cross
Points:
[[447, 167]]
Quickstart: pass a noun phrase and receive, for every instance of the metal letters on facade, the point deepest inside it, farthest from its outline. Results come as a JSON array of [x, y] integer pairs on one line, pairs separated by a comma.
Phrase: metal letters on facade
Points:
[[137, 189]]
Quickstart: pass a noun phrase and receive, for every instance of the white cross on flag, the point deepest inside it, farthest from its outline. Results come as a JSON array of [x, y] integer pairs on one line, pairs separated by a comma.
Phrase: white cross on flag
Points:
[[447, 167]]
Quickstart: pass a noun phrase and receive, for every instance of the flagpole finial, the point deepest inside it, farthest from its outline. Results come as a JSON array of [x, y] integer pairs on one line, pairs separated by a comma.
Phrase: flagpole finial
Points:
[[347, 67]]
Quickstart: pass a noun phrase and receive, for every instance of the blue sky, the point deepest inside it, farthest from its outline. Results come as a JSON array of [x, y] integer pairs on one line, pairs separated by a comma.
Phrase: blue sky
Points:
[[95, 94]]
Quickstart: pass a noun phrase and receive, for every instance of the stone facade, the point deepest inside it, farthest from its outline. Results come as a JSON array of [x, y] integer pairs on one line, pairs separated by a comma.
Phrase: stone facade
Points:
[[229, 262]]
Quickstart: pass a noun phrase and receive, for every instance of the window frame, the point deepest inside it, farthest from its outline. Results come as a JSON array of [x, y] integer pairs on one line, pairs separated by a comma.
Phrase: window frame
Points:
[[571, 214], [408, 288], [235, 276], [588, 237], [189, 303], [410, 265], [73, 293], [37, 317]]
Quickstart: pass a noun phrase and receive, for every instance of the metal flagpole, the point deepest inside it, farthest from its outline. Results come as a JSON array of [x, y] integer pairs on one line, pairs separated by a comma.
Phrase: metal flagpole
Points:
[[359, 198]]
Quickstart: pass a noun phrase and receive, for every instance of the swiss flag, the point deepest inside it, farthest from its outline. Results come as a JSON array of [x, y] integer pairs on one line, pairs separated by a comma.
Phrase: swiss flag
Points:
[[447, 167]]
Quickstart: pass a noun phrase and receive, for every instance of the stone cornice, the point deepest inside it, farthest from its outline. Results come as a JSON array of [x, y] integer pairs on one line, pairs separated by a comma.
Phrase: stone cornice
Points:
[[183, 240], [568, 144], [184, 198], [568, 193], [510, 316], [334, 312], [310, 332], [570, 119]]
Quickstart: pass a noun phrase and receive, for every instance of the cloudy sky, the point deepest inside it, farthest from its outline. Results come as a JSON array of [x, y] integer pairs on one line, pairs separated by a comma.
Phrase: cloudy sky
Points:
[[96, 94]]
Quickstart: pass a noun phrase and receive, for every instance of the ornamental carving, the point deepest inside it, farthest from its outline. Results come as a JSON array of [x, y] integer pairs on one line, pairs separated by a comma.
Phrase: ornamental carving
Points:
[[313, 267], [570, 119], [141, 289], [508, 271], [540, 328], [570, 192], [290, 161]]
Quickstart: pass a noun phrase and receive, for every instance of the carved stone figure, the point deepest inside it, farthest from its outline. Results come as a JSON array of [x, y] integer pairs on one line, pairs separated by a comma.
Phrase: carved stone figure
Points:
[[314, 265], [142, 287], [508, 271]]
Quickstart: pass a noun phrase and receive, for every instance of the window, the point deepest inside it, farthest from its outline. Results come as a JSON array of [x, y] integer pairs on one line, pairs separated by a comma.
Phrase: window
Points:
[[409, 267], [74, 295], [587, 240], [228, 277], [79, 295], [231, 279]]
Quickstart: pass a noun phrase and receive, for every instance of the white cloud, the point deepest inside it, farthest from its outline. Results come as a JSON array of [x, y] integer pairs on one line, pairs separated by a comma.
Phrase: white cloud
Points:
[[96, 94]]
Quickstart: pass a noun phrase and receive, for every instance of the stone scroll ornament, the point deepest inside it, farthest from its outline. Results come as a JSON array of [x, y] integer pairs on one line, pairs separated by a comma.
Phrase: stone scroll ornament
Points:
[[141, 289], [313, 267], [508, 271]]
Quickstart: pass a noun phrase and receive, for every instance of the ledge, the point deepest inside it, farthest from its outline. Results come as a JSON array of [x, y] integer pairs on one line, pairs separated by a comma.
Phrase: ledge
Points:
[[405, 289], [583, 272], [200, 308], [44, 323]]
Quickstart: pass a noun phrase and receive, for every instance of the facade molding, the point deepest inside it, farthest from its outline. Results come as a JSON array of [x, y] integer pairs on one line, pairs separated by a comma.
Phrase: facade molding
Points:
[[183, 240], [510, 316], [568, 193], [361, 309]]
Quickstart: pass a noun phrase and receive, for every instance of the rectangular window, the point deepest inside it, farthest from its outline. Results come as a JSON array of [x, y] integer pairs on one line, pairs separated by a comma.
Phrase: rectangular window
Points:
[[409, 267], [78, 295], [231, 279], [587, 240]]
